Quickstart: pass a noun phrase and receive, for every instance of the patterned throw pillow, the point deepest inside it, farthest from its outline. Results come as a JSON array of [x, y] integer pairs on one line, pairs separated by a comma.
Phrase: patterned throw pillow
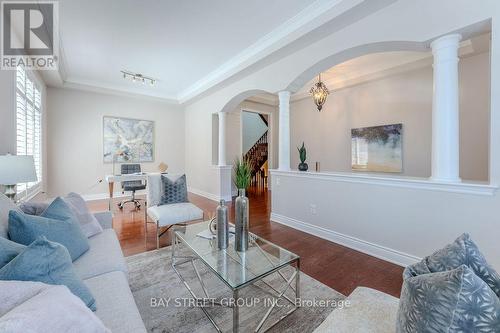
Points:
[[463, 251], [452, 301], [173, 191]]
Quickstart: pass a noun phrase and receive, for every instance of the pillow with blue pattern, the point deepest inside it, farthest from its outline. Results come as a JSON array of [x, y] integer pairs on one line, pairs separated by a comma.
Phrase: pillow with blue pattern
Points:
[[173, 191], [463, 251], [451, 301]]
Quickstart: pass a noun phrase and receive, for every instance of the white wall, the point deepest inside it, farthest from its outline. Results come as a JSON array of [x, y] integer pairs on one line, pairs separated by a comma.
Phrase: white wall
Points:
[[376, 214], [75, 137], [403, 98]]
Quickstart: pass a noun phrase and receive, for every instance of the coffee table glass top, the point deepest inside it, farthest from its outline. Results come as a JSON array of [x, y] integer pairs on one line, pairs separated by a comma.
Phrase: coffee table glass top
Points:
[[236, 269]]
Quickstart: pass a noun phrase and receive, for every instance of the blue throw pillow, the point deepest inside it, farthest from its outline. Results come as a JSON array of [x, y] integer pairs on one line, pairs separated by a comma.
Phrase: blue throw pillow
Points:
[[463, 251], [47, 262], [452, 301], [57, 223], [9, 250], [173, 191]]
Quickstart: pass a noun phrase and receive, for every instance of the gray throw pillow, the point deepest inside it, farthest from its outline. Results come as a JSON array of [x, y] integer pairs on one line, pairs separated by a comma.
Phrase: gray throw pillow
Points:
[[173, 191], [463, 251], [34, 208], [450, 301], [89, 224]]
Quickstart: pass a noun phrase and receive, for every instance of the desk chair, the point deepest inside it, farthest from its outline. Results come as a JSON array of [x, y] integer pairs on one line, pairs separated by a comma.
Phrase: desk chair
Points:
[[131, 186], [166, 216]]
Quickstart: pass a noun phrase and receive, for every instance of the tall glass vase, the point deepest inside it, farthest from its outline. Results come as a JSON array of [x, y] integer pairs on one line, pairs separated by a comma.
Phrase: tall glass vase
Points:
[[241, 222]]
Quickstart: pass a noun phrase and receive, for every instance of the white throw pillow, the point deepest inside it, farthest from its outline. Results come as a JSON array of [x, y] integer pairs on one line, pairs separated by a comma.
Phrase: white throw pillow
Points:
[[88, 222], [38, 307]]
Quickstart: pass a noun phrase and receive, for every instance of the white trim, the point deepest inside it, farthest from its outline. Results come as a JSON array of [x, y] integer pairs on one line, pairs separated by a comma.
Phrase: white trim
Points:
[[404, 182], [97, 87], [311, 17], [208, 195], [375, 250]]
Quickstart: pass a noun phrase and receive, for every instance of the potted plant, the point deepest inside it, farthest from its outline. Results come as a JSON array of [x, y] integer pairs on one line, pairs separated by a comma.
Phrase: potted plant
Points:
[[242, 178], [302, 156]]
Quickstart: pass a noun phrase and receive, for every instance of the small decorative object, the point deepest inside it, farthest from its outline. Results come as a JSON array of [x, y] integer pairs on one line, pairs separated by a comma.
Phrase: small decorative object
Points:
[[222, 226], [15, 169], [134, 136], [318, 167], [319, 93], [123, 155], [302, 155], [212, 226], [377, 148], [163, 167], [243, 173]]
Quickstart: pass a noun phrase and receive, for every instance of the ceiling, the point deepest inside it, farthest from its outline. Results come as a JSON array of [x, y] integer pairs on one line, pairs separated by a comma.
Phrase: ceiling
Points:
[[176, 42]]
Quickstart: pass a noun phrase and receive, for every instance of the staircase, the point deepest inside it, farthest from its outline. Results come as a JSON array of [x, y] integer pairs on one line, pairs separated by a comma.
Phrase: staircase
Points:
[[257, 156]]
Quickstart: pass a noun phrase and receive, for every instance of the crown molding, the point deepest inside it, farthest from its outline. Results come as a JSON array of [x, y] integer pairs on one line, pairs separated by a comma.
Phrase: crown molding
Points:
[[310, 18], [110, 90]]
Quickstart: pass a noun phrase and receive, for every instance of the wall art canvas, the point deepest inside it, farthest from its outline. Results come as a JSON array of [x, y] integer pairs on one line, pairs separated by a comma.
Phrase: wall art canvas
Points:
[[377, 148], [128, 140]]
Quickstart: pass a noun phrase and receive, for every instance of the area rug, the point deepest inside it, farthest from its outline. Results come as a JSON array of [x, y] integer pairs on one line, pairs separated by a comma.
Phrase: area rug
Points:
[[163, 300]]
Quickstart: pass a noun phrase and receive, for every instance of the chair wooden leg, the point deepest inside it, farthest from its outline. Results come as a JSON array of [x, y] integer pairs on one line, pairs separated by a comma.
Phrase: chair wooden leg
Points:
[[157, 236], [145, 228]]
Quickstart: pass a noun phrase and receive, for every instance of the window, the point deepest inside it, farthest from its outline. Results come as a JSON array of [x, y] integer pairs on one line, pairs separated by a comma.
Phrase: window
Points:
[[29, 124]]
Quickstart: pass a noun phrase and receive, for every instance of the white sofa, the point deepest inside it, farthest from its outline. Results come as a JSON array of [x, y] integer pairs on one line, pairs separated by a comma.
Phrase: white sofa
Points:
[[104, 270], [367, 311]]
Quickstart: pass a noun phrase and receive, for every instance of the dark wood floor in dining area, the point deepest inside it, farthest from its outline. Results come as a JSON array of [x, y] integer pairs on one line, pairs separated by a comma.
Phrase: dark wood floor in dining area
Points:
[[338, 267]]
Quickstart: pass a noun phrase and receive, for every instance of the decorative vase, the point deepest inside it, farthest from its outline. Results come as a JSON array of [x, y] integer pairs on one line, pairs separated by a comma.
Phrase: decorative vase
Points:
[[241, 222], [222, 226], [303, 166]]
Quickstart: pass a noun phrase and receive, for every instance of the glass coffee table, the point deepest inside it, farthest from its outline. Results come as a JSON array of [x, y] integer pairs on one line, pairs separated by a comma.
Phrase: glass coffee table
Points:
[[236, 270]]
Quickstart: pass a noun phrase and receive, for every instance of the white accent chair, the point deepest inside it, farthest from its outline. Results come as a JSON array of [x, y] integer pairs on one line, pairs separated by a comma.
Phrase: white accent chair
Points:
[[166, 216]]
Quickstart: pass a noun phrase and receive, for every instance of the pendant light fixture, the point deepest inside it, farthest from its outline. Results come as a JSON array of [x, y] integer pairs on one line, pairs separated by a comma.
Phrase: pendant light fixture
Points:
[[319, 93]]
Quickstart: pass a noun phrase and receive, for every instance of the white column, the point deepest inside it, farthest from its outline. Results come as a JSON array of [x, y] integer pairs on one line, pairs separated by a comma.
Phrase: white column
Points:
[[222, 139], [284, 130], [445, 115]]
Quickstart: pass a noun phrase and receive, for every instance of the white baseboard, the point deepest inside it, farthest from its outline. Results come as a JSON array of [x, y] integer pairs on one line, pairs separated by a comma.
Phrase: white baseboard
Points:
[[208, 195], [375, 250], [102, 196]]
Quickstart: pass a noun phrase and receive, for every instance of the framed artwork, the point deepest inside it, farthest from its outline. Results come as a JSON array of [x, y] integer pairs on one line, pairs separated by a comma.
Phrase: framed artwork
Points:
[[377, 148], [128, 140]]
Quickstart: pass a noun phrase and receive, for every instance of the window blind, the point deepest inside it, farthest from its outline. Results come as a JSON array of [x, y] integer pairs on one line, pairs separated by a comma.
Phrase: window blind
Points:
[[29, 124]]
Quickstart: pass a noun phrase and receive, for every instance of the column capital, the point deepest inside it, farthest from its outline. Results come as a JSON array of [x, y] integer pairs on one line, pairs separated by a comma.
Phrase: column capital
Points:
[[284, 94], [448, 41]]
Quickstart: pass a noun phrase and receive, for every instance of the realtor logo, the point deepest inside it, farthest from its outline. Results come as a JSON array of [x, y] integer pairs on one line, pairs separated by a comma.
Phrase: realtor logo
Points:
[[30, 35]]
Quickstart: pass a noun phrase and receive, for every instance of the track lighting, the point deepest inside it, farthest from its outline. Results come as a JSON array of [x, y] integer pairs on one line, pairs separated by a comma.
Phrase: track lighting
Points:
[[138, 77]]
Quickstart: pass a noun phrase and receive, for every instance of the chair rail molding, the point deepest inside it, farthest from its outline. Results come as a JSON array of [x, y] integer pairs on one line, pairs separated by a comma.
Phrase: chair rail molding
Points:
[[404, 182]]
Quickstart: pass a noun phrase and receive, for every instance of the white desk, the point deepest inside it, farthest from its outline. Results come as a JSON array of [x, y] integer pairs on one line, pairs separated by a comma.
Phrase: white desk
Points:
[[111, 179]]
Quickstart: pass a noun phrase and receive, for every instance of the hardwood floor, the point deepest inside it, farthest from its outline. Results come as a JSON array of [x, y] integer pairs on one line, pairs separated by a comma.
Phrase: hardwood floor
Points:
[[339, 267]]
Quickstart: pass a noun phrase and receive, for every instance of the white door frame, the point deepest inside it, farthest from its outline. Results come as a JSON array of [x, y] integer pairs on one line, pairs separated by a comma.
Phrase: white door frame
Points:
[[270, 132]]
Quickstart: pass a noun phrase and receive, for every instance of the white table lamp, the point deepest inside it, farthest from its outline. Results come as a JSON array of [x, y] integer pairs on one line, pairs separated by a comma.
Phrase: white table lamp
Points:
[[16, 169]]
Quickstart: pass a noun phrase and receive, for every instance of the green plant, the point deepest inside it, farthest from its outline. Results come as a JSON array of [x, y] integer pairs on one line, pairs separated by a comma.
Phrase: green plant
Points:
[[242, 173], [302, 153]]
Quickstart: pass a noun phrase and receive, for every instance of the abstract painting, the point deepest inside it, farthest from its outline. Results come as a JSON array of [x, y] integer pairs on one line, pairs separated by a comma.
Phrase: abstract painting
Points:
[[128, 140], [377, 148]]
